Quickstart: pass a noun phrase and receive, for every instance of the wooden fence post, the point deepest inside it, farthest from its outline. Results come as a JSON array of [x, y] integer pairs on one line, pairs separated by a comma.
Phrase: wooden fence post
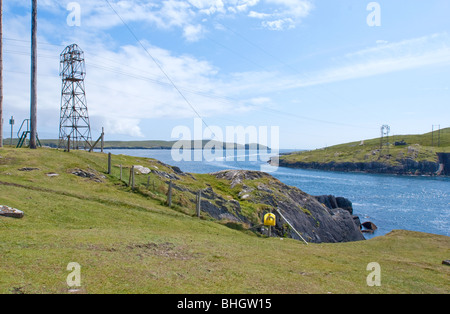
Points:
[[120, 172], [132, 178], [169, 194], [199, 202], [131, 175], [109, 163], [102, 139]]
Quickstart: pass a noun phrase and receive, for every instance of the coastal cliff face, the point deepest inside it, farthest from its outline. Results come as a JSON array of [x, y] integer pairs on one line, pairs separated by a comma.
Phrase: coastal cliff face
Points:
[[402, 155], [241, 198], [313, 219], [402, 167]]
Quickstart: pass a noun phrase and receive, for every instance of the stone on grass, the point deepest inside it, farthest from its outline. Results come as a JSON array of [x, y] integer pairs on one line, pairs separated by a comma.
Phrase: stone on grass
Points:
[[7, 211]]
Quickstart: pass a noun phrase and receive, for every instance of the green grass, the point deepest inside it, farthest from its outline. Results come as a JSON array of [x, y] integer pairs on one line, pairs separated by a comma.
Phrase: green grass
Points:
[[418, 148], [130, 242]]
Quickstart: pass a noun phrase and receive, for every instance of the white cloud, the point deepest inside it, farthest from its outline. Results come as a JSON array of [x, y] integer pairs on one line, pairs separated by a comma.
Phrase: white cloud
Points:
[[279, 25], [193, 32], [184, 15], [259, 15], [243, 6], [287, 15], [122, 126], [123, 85], [427, 51], [209, 7]]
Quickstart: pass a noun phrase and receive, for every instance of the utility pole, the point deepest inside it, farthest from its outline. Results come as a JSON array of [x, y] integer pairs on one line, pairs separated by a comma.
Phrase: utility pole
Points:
[[11, 121], [1, 73], [439, 135], [33, 105], [432, 135], [385, 130]]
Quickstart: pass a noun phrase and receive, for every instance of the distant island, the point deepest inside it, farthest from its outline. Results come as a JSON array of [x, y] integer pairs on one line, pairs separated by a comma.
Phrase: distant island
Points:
[[425, 154], [154, 144]]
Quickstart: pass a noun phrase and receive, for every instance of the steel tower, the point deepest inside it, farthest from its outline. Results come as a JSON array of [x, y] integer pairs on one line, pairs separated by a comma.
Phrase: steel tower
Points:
[[74, 123]]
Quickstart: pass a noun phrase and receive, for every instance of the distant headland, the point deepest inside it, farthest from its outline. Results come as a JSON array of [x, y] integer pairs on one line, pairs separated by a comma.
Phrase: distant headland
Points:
[[425, 154]]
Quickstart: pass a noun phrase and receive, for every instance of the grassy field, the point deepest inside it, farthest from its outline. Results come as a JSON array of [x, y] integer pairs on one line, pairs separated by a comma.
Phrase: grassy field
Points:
[[418, 148], [130, 242]]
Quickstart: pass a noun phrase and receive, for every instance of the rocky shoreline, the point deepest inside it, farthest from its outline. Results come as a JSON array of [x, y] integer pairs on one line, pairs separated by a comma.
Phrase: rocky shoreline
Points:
[[402, 167], [320, 219]]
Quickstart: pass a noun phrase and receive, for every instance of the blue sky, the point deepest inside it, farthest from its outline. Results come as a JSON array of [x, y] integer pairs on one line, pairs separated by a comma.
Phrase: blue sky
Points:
[[315, 69]]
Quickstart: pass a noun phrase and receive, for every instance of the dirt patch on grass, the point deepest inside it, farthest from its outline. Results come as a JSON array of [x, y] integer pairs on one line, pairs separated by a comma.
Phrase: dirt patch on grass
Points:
[[165, 249]]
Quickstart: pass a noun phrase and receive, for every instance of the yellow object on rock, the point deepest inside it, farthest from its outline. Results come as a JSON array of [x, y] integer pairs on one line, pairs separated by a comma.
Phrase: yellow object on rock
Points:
[[269, 220]]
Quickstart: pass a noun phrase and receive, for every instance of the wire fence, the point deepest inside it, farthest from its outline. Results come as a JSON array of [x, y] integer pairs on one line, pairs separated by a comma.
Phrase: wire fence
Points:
[[151, 184]]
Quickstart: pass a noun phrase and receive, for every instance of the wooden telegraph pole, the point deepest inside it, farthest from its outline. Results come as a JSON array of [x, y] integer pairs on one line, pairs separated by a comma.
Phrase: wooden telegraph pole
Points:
[[33, 106], [1, 74]]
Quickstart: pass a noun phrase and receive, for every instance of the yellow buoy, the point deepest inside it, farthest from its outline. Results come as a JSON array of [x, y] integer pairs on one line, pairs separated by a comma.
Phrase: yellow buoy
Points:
[[269, 220]]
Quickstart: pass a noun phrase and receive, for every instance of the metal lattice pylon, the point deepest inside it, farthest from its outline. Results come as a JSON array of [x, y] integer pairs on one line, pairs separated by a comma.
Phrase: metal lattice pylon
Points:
[[74, 119], [384, 139]]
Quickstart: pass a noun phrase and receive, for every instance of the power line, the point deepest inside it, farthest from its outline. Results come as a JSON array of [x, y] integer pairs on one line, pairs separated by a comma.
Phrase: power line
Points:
[[224, 99], [159, 66], [203, 93], [129, 74], [282, 62], [167, 76]]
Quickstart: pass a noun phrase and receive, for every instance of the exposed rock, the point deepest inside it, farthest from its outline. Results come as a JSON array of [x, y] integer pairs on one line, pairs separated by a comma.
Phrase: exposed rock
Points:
[[28, 169], [357, 221], [177, 170], [89, 175], [142, 169], [328, 200], [245, 192], [345, 203], [444, 164], [332, 202], [237, 176], [7, 211], [308, 216], [406, 166], [446, 262], [166, 175], [370, 227], [218, 212]]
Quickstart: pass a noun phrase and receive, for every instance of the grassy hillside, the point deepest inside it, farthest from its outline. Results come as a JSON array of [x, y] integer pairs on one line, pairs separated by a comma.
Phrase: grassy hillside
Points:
[[418, 148], [130, 242]]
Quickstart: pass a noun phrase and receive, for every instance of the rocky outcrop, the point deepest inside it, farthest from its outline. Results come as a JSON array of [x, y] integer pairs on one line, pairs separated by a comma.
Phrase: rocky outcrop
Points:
[[332, 202], [312, 219], [7, 211], [89, 174], [402, 167], [444, 164], [244, 197], [369, 227]]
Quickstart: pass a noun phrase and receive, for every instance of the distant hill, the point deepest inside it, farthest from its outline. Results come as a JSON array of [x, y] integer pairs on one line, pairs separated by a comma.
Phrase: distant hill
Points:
[[148, 144], [401, 154]]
